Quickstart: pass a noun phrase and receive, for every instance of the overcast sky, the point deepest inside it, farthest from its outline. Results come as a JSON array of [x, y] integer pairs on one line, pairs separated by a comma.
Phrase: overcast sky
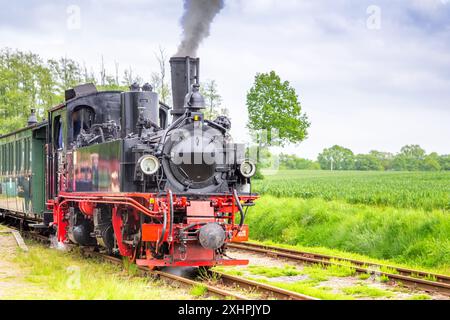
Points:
[[369, 74]]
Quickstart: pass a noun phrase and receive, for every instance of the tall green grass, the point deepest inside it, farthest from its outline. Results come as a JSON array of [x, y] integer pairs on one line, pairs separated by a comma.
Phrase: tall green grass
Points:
[[426, 190], [68, 275], [412, 236]]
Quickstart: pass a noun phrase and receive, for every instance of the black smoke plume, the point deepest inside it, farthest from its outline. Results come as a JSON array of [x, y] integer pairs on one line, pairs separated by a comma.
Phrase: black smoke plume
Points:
[[196, 22]]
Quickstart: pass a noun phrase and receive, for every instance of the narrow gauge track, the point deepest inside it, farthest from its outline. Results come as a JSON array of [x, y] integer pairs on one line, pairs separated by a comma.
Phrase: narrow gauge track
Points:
[[411, 278], [226, 284]]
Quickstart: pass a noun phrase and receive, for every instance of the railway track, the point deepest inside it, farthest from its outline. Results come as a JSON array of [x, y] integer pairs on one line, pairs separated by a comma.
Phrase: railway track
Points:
[[411, 278], [224, 285], [220, 284]]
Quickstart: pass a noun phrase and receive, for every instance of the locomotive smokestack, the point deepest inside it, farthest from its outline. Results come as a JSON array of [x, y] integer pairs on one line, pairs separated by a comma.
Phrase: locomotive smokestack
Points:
[[196, 22], [185, 73]]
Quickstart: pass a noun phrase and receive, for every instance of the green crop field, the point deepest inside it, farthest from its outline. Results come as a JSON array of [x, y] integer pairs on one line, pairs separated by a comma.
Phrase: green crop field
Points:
[[426, 190], [396, 216]]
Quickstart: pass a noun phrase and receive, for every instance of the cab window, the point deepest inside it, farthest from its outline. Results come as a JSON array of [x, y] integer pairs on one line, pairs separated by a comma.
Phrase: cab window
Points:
[[58, 137], [82, 120]]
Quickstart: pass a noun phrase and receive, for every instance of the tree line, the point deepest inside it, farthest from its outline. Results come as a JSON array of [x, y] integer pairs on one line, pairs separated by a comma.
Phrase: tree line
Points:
[[29, 82], [273, 104], [409, 158]]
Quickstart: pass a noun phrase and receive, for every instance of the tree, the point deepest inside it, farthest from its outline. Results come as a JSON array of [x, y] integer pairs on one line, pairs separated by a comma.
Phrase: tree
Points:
[[385, 158], [336, 158], [213, 100], [410, 158], [444, 162], [102, 73], [25, 83], [67, 73], [88, 77], [292, 162], [273, 104], [367, 162], [158, 79], [431, 162], [129, 78]]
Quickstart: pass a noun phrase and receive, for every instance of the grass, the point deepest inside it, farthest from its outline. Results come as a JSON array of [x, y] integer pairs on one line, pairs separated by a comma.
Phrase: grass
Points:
[[425, 190], [383, 278], [350, 255], [315, 273], [389, 270], [411, 236], [205, 275], [365, 291], [313, 285], [129, 267], [198, 290], [64, 275], [274, 272], [363, 276], [420, 297], [319, 273], [308, 289]]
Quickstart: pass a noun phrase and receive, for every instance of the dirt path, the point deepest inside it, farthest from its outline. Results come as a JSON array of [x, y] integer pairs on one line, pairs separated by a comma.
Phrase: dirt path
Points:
[[12, 282], [31, 279]]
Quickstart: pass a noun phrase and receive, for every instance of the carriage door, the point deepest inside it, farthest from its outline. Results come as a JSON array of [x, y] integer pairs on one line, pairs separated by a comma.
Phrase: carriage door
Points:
[[59, 135]]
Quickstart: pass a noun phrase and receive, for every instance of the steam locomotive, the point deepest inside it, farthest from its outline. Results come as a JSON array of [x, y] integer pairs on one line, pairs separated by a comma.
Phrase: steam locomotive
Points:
[[108, 170]]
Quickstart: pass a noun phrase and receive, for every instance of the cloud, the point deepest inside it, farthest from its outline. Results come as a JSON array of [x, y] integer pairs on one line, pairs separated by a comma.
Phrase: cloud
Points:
[[361, 88]]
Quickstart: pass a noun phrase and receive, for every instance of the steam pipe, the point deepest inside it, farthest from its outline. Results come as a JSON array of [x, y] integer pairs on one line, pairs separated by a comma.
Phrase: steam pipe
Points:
[[171, 215]]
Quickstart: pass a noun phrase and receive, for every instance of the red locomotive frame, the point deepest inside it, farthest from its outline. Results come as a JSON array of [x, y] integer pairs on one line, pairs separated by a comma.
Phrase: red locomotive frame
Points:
[[220, 209]]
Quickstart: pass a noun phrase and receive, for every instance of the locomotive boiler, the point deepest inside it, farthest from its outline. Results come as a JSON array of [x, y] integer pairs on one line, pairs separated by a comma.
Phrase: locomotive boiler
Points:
[[119, 177]]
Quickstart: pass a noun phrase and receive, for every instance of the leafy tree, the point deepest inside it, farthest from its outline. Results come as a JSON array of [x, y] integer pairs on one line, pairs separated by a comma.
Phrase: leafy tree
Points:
[[444, 162], [213, 100], [88, 77], [410, 158], [336, 158], [431, 162], [25, 83], [385, 158], [273, 104], [267, 159], [295, 163], [67, 73], [129, 78], [158, 79], [367, 162]]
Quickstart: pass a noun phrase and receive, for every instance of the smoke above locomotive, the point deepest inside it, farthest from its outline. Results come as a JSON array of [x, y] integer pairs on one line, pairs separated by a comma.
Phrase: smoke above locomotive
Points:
[[196, 23]]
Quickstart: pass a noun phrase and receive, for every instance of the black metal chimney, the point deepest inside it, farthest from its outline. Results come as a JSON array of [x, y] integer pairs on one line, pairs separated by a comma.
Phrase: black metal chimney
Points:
[[185, 72], [32, 120]]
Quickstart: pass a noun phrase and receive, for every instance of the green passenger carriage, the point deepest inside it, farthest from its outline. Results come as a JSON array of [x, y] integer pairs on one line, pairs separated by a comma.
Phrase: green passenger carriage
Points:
[[22, 169]]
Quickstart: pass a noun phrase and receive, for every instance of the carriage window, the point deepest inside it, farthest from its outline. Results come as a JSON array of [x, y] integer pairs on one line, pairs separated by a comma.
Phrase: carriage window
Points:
[[82, 119], [27, 154], [18, 155], [11, 158]]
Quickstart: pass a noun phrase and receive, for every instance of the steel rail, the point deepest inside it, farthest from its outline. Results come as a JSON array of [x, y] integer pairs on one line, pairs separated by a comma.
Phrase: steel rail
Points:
[[408, 277], [267, 290], [233, 282], [168, 277]]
